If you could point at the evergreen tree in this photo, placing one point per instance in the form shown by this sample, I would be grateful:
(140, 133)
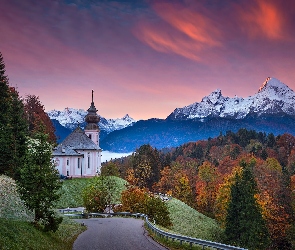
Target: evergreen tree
(5, 125)
(244, 224)
(13, 127)
(39, 182)
(19, 132)
(285, 203)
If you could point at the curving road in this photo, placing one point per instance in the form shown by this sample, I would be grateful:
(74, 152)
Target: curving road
(115, 234)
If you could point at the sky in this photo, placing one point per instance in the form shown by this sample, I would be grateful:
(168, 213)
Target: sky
(144, 57)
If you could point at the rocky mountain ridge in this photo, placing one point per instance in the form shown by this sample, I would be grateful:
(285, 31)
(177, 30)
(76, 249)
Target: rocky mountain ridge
(68, 119)
(273, 97)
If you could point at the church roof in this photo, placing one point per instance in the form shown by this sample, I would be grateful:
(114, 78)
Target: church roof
(77, 140)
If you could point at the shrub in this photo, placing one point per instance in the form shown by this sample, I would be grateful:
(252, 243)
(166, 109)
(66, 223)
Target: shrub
(11, 205)
(137, 200)
(134, 200)
(102, 191)
(157, 210)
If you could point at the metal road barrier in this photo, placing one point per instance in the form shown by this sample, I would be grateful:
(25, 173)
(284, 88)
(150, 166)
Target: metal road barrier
(161, 233)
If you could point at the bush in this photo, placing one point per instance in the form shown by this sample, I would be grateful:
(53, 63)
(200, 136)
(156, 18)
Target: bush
(11, 205)
(134, 200)
(102, 191)
(94, 199)
(157, 210)
(137, 200)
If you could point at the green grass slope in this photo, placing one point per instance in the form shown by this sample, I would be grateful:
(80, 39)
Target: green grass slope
(17, 231)
(187, 221)
(71, 191)
(18, 235)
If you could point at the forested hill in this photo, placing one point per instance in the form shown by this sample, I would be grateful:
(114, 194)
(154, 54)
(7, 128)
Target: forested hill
(172, 133)
(203, 173)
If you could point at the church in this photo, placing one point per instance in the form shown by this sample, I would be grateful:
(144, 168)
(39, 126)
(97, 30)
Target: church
(79, 155)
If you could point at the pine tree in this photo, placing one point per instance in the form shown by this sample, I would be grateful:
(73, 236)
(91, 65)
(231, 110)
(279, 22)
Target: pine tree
(13, 127)
(5, 125)
(19, 132)
(39, 182)
(244, 224)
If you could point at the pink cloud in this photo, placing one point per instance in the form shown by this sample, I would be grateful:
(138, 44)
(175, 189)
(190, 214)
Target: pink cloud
(181, 31)
(144, 61)
(264, 19)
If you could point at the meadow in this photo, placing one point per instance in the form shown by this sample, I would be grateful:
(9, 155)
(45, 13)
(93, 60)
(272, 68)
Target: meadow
(17, 232)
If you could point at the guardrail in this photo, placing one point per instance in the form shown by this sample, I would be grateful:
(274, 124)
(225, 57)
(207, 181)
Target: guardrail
(161, 233)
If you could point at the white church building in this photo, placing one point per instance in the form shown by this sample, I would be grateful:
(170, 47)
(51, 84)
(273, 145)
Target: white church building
(79, 155)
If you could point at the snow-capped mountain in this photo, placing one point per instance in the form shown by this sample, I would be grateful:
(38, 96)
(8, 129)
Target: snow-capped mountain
(110, 125)
(273, 97)
(71, 117)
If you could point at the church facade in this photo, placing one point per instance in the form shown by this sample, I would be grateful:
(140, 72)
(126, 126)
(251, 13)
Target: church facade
(79, 155)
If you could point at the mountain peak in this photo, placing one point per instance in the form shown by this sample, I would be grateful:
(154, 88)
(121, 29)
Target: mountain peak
(214, 97)
(126, 117)
(272, 83)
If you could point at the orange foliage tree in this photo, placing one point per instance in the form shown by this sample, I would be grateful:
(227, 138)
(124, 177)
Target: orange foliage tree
(269, 178)
(223, 196)
(37, 118)
(206, 188)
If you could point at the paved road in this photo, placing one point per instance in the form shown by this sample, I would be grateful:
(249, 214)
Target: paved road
(114, 234)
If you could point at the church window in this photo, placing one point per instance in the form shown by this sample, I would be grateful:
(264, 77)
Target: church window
(78, 162)
(89, 136)
(68, 173)
(68, 162)
(88, 161)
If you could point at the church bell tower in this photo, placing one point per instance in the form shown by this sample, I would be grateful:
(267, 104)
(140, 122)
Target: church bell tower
(92, 129)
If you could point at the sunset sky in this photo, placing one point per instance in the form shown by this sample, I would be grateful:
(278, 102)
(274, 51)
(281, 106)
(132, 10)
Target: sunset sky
(144, 58)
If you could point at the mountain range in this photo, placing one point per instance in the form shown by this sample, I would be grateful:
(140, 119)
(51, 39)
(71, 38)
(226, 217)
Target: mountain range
(270, 110)
(67, 120)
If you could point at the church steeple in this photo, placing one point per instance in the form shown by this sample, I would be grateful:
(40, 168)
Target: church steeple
(92, 118)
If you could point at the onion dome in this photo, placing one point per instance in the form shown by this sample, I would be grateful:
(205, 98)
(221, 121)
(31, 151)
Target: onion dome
(92, 118)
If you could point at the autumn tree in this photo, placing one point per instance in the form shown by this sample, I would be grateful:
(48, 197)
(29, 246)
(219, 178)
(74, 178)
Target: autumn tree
(147, 165)
(37, 118)
(244, 224)
(166, 182)
(102, 191)
(206, 188)
(223, 196)
(275, 199)
(182, 189)
(110, 169)
(143, 173)
(138, 200)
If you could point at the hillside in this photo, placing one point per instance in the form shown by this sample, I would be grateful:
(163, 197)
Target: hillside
(172, 133)
(187, 221)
